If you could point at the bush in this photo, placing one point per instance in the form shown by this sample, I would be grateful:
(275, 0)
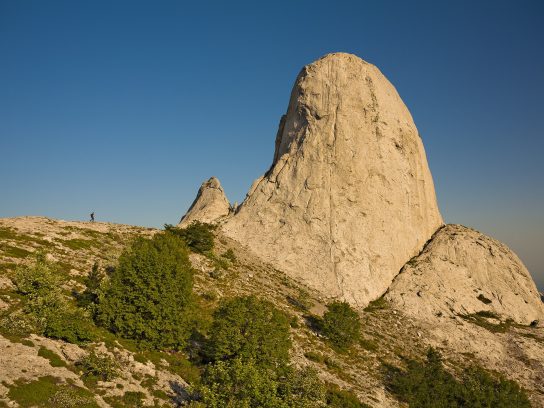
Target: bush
(427, 385)
(98, 367)
(37, 280)
(243, 383)
(91, 293)
(198, 236)
(149, 295)
(52, 313)
(338, 398)
(341, 325)
(238, 383)
(249, 328)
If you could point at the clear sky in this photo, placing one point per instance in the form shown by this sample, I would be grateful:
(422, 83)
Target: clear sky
(125, 107)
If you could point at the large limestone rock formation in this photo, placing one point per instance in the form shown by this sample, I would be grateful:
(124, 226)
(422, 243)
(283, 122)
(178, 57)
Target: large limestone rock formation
(210, 204)
(349, 198)
(461, 272)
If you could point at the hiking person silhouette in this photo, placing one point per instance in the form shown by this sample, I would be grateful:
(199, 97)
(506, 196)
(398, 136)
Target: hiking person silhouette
(92, 217)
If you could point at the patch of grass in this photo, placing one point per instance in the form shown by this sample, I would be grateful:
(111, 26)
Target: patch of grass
(338, 398)
(369, 344)
(54, 359)
(14, 252)
(176, 363)
(481, 319)
(314, 356)
(378, 304)
(77, 243)
(7, 233)
(26, 342)
(131, 399)
(35, 393)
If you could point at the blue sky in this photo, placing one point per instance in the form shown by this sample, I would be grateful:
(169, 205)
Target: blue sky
(125, 107)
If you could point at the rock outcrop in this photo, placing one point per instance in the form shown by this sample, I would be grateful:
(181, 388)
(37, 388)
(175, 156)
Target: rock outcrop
(462, 272)
(210, 205)
(349, 198)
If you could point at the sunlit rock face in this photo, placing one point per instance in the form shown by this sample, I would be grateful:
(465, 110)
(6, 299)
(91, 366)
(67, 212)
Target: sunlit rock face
(349, 198)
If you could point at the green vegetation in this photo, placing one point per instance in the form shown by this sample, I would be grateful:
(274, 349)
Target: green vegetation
(378, 304)
(489, 321)
(35, 393)
(249, 328)
(428, 385)
(341, 325)
(50, 392)
(198, 236)
(149, 294)
(243, 383)
(47, 310)
(54, 358)
(77, 244)
(91, 295)
(98, 367)
(176, 363)
(338, 398)
(229, 254)
(130, 399)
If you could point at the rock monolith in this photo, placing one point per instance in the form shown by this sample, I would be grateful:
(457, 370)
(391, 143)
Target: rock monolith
(209, 206)
(349, 198)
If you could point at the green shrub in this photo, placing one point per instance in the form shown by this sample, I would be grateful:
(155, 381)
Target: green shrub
(98, 367)
(70, 396)
(378, 304)
(149, 295)
(301, 388)
(314, 356)
(243, 383)
(238, 383)
(229, 254)
(37, 280)
(249, 328)
(51, 313)
(338, 398)
(91, 294)
(428, 385)
(341, 325)
(198, 236)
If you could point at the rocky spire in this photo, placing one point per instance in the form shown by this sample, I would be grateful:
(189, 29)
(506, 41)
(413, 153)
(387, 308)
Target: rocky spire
(210, 204)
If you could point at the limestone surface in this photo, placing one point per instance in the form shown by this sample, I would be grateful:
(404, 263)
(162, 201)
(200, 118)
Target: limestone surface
(462, 272)
(349, 198)
(210, 204)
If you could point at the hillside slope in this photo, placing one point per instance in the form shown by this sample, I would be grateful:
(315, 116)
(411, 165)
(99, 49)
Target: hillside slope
(162, 379)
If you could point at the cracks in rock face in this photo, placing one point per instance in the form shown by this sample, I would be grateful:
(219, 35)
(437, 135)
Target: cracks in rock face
(331, 209)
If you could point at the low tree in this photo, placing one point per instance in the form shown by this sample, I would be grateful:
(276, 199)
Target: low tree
(249, 328)
(198, 235)
(149, 295)
(341, 325)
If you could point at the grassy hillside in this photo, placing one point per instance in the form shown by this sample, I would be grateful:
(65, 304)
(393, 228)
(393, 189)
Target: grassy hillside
(108, 370)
